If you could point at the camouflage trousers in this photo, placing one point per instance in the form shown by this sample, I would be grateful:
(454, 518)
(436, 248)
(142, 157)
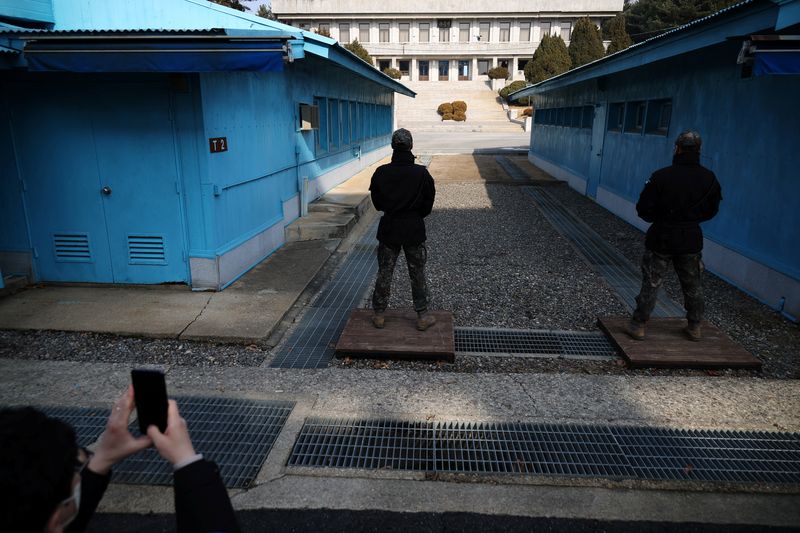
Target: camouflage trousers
(689, 268)
(416, 257)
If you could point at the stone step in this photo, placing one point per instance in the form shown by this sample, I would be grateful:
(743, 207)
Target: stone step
(325, 205)
(320, 225)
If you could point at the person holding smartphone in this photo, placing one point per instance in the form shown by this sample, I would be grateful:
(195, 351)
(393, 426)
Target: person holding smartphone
(48, 483)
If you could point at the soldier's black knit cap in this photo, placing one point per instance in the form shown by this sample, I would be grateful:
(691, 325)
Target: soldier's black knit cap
(402, 140)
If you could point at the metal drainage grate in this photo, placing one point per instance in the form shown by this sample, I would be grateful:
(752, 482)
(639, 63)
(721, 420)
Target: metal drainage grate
(533, 343)
(311, 344)
(549, 449)
(236, 434)
(618, 272)
(88, 422)
(511, 168)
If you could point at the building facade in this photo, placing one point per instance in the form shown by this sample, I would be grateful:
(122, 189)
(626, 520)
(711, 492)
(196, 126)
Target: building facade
(445, 40)
(180, 158)
(606, 126)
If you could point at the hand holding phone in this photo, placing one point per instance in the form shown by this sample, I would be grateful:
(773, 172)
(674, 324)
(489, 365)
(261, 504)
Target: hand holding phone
(150, 392)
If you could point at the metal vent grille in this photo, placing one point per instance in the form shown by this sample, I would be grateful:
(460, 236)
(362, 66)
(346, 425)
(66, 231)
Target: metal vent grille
(72, 247)
(236, 434)
(617, 271)
(549, 449)
(146, 249)
(534, 343)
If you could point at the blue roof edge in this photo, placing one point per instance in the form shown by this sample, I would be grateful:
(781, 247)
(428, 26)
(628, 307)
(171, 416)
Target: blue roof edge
(760, 10)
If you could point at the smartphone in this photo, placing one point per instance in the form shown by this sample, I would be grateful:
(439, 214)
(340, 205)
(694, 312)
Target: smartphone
(150, 394)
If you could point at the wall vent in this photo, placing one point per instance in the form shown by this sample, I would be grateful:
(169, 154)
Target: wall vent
(72, 247)
(146, 250)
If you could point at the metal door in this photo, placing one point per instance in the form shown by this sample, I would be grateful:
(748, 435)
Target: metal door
(54, 145)
(596, 150)
(139, 175)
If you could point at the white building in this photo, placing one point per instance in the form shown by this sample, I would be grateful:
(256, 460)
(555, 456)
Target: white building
(445, 40)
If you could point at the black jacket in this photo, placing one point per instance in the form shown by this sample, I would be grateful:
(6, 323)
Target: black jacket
(405, 193)
(676, 199)
(201, 501)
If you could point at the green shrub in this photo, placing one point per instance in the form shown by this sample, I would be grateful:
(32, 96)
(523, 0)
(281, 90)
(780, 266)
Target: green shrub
(512, 87)
(445, 108)
(447, 116)
(459, 116)
(498, 73)
(460, 105)
(392, 73)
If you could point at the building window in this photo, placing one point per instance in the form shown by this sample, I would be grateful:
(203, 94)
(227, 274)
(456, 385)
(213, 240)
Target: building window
(324, 28)
(404, 66)
(383, 64)
(444, 69)
(322, 132)
(634, 117)
(424, 32)
(658, 115)
(444, 35)
(304, 26)
(545, 27)
(616, 117)
(424, 70)
(383, 32)
(403, 27)
(463, 69)
(505, 63)
(463, 32)
(566, 30)
(344, 33)
(344, 112)
(333, 123)
(484, 29)
(505, 32)
(588, 116)
(363, 32)
(521, 63)
(483, 67)
(524, 32)
(577, 117)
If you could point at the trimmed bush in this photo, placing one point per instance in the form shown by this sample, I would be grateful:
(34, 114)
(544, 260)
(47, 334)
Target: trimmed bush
(392, 73)
(512, 87)
(459, 116)
(444, 108)
(498, 73)
(447, 116)
(460, 105)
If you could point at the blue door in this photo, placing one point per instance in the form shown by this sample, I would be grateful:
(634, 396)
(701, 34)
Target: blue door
(102, 188)
(596, 155)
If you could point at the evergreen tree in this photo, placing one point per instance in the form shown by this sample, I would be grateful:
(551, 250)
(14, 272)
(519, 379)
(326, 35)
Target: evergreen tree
(648, 18)
(359, 50)
(549, 59)
(615, 31)
(266, 12)
(233, 4)
(585, 44)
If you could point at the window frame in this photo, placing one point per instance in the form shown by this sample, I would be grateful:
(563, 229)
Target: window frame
(347, 26)
(488, 35)
(407, 31)
(462, 29)
(504, 33)
(426, 30)
(616, 117)
(568, 25)
(383, 31)
(528, 30)
(635, 116)
(361, 28)
(545, 24)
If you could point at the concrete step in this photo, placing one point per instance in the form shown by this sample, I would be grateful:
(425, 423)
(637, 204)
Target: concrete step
(326, 205)
(12, 284)
(321, 225)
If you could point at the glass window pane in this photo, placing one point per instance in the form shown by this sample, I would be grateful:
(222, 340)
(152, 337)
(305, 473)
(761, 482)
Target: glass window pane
(403, 31)
(463, 32)
(324, 28)
(344, 33)
(444, 35)
(483, 67)
(545, 27)
(505, 31)
(484, 29)
(566, 30)
(383, 32)
(363, 32)
(404, 67)
(424, 32)
(524, 32)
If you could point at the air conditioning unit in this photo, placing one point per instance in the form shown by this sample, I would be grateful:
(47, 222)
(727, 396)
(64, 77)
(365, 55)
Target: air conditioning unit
(309, 117)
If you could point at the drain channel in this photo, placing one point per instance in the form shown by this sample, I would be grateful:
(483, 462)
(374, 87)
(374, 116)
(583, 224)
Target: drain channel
(533, 343)
(616, 452)
(618, 272)
(311, 343)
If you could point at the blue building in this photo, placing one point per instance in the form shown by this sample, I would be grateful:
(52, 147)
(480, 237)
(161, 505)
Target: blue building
(153, 141)
(733, 76)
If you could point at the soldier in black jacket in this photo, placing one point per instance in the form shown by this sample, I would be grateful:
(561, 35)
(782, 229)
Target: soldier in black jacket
(404, 192)
(676, 199)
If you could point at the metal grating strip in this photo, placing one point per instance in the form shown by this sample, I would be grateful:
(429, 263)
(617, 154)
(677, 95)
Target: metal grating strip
(88, 422)
(236, 434)
(311, 344)
(538, 343)
(511, 168)
(618, 272)
(549, 449)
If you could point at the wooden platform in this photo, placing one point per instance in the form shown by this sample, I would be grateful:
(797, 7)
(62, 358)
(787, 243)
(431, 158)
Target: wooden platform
(399, 339)
(665, 345)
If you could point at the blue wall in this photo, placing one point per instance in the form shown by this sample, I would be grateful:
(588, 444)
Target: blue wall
(750, 135)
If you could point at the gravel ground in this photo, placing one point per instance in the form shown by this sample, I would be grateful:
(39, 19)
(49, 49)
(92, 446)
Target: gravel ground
(103, 348)
(496, 262)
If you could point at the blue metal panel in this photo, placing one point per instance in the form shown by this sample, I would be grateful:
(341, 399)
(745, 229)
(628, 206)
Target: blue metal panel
(596, 149)
(33, 10)
(13, 225)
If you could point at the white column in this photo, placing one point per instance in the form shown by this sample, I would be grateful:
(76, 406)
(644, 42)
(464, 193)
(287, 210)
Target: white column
(473, 73)
(412, 72)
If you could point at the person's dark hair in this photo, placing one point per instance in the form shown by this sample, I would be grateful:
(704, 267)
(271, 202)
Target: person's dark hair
(689, 141)
(37, 461)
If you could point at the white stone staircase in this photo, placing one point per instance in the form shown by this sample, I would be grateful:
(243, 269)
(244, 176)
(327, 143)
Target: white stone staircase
(485, 112)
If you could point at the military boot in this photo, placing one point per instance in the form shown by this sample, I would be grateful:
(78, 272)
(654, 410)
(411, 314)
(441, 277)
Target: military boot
(425, 320)
(636, 330)
(693, 331)
(378, 320)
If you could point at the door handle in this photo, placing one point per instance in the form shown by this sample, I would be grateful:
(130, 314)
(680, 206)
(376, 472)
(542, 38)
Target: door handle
(106, 190)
